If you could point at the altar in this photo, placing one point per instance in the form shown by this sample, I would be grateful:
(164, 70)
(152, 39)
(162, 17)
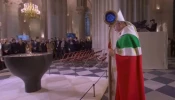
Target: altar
(155, 50)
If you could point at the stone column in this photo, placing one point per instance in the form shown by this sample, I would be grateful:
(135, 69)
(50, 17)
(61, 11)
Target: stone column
(141, 9)
(12, 11)
(134, 10)
(81, 9)
(61, 15)
(123, 6)
(145, 13)
(44, 19)
(49, 19)
(69, 21)
(93, 24)
(4, 21)
(58, 18)
(129, 10)
(64, 16)
(1, 10)
(1, 18)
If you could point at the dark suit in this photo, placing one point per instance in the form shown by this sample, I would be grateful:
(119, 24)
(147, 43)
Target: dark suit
(153, 28)
(6, 47)
(22, 47)
(72, 46)
(43, 47)
(36, 47)
(14, 48)
(58, 48)
(82, 45)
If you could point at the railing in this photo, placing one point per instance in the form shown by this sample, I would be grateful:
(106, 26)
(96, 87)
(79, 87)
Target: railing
(93, 85)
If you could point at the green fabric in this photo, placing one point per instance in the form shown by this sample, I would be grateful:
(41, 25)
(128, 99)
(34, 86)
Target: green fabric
(128, 41)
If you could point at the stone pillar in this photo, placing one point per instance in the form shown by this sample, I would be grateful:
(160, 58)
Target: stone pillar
(64, 20)
(56, 18)
(69, 21)
(141, 10)
(1, 18)
(129, 10)
(81, 9)
(93, 24)
(61, 15)
(123, 6)
(12, 18)
(49, 20)
(134, 10)
(4, 21)
(44, 19)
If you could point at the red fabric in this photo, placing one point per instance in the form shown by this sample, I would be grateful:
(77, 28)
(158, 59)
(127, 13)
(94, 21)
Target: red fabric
(109, 45)
(130, 82)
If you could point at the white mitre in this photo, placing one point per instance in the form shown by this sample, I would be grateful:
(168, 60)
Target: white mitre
(121, 18)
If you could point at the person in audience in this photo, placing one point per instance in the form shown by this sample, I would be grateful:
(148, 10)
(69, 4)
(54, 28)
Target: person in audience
(6, 48)
(172, 46)
(36, 45)
(88, 44)
(1, 60)
(21, 46)
(14, 47)
(153, 27)
(67, 45)
(63, 44)
(43, 46)
(58, 48)
(52, 46)
(29, 47)
(82, 45)
(71, 45)
(49, 46)
(77, 44)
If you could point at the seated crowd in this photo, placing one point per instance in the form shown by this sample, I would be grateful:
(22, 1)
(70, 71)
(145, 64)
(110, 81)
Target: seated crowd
(57, 46)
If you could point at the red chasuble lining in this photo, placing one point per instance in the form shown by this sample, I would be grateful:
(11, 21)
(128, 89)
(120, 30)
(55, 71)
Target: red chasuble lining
(130, 82)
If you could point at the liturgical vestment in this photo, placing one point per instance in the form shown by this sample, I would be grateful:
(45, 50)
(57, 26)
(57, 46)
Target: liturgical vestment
(130, 82)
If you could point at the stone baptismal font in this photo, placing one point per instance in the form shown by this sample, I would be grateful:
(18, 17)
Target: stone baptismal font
(30, 68)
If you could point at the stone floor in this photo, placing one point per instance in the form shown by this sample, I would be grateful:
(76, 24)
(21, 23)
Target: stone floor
(159, 84)
(55, 87)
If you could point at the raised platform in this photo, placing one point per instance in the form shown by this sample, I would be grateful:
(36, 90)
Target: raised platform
(155, 50)
(55, 87)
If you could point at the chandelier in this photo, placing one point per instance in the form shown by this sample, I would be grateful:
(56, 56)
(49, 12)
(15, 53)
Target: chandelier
(31, 10)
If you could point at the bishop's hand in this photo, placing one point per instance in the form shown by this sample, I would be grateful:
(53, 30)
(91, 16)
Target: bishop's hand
(111, 52)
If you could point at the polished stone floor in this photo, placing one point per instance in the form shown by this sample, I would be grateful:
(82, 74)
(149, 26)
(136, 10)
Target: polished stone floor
(159, 84)
(55, 87)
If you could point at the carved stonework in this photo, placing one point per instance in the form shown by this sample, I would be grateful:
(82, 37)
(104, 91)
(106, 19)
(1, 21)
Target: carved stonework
(12, 2)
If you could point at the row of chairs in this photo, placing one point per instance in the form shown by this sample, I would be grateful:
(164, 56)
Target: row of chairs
(84, 58)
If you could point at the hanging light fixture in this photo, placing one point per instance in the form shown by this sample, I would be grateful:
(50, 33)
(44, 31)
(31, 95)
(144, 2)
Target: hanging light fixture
(158, 4)
(30, 10)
